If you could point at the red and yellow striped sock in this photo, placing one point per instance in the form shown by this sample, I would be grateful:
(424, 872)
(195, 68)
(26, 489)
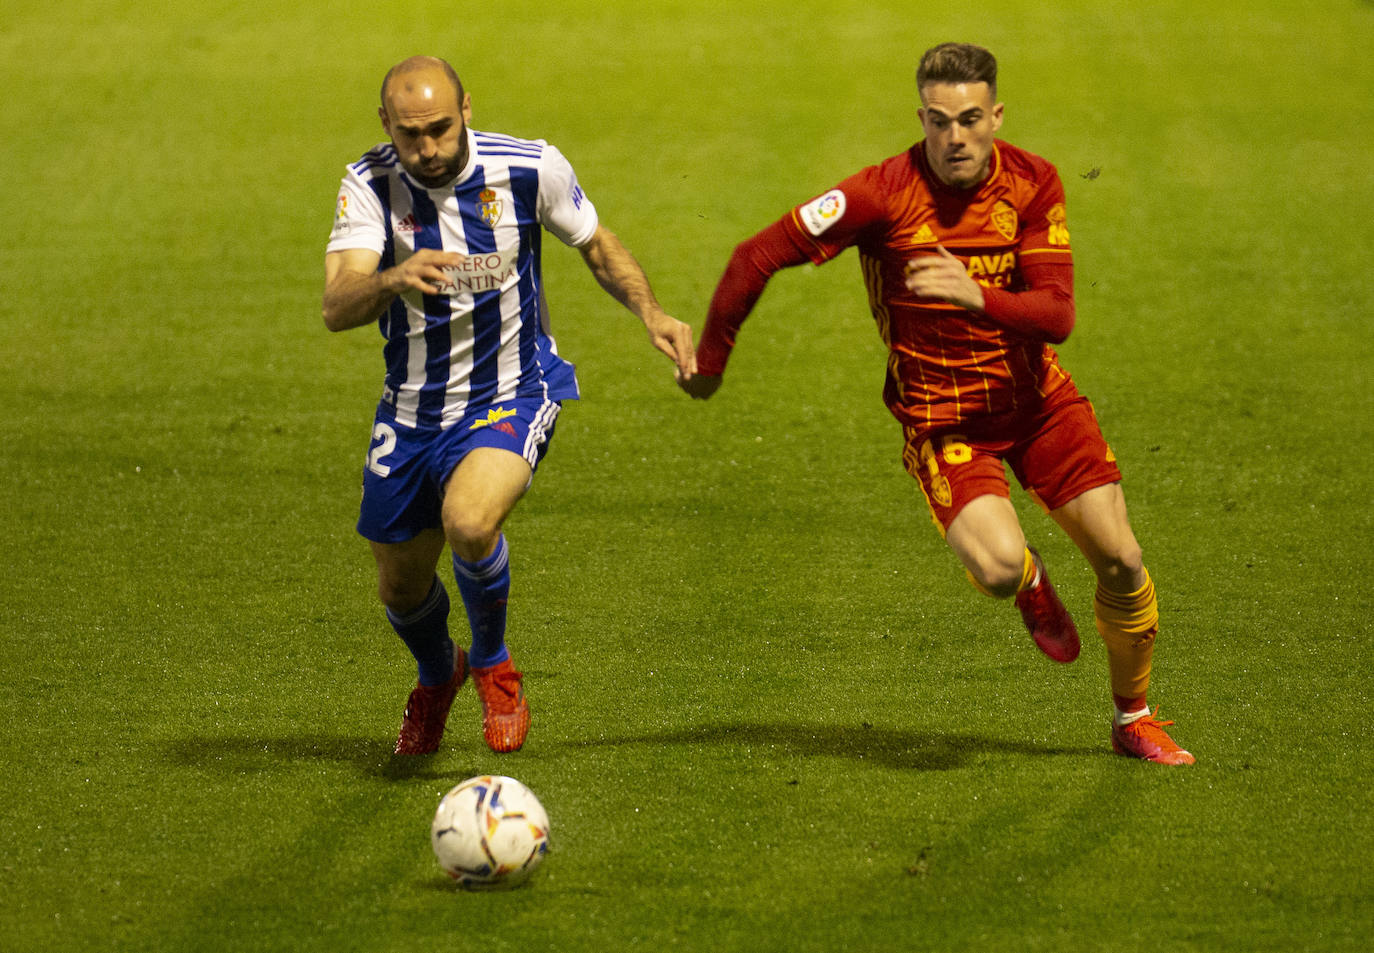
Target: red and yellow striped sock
(1030, 575)
(1128, 623)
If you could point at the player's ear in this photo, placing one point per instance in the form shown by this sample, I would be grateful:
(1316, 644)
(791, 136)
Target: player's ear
(386, 120)
(467, 106)
(996, 117)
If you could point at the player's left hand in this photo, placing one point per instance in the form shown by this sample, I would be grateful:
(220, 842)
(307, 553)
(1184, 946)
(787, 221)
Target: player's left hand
(674, 338)
(944, 278)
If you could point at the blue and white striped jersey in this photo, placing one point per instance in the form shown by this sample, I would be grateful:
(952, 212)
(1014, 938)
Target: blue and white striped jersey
(486, 338)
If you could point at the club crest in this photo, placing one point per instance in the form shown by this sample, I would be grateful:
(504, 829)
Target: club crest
(489, 207)
(1004, 219)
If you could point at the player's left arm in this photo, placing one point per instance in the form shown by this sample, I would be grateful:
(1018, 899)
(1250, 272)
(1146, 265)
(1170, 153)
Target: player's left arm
(568, 213)
(617, 271)
(1042, 307)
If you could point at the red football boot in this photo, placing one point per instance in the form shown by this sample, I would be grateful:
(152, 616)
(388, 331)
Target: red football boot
(1049, 622)
(426, 712)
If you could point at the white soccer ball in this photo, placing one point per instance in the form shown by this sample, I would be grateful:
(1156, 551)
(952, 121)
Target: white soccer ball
(490, 832)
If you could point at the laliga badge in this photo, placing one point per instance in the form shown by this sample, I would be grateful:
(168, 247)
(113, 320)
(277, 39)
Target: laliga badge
(342, 226)
(819, 214)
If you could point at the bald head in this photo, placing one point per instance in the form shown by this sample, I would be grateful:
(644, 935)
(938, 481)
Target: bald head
(425, 77)
(425, 112)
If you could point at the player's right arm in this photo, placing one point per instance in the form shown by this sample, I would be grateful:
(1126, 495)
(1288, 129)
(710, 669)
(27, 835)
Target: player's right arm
(815, 232)
(752, 263)
(356, 293)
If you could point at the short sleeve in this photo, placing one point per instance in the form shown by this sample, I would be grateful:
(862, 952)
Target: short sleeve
(358, 218)
(564, 208)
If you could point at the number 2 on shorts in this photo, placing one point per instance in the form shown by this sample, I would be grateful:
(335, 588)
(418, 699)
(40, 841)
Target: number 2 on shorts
(385, 439)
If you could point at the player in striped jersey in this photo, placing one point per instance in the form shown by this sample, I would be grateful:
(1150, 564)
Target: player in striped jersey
(437, 239)
(964, 248)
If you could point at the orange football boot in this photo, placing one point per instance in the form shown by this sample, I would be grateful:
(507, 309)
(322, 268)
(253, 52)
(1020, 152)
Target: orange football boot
(1145, 738)
(505, 716)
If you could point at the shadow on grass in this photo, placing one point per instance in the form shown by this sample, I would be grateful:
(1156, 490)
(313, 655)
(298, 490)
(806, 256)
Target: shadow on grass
(907, 750)
(370, 756)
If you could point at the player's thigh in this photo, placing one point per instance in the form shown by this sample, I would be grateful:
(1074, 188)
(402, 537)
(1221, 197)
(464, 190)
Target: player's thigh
(405, 570)
(478, 496)
(1097, 522)
(953, 470)
(400, 493)
(987, 538)
(1062, 453)
(487, 460)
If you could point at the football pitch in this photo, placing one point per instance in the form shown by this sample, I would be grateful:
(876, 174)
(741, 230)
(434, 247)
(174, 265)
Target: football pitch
(770, 714)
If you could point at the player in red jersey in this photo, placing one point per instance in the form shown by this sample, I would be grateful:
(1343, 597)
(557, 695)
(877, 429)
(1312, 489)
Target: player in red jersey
(964, 246)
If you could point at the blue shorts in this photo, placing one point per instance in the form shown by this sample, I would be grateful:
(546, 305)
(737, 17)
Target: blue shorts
(407, 468)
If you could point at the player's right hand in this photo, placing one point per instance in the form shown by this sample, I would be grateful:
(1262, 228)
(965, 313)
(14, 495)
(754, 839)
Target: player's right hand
(700, 386)
(423, 271)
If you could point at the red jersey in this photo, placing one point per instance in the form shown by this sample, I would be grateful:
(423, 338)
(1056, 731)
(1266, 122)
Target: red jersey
(945, 364)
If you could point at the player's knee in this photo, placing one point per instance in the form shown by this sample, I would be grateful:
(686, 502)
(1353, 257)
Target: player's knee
(1122, 570)
(998, 574)
(401, 594)
(472, 536)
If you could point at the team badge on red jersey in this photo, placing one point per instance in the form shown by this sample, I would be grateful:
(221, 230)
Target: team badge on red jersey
(819, 214)
(489, 207)
(1004, 220)
(940, 490)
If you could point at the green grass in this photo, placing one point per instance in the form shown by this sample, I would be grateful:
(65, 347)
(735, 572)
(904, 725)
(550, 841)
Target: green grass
(770, 714)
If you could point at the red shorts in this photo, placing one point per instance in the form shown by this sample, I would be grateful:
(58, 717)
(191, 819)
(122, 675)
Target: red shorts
(1056, 451)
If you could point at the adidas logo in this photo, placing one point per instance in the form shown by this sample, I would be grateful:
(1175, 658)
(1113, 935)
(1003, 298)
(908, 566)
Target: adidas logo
(923, 235)
(408, 224)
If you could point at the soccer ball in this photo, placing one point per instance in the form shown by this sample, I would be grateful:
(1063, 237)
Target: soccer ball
(490, 832)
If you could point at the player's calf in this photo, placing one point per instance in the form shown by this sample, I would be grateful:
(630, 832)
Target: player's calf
(1049, 623)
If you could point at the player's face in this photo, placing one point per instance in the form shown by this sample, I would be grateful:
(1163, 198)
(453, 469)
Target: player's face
(960, 121)
(428, 126)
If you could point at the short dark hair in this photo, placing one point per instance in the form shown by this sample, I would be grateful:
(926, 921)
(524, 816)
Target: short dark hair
(957, 63)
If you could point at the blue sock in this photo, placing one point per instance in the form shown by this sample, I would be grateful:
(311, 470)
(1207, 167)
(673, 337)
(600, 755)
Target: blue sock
(485, 587)
(424, 630)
